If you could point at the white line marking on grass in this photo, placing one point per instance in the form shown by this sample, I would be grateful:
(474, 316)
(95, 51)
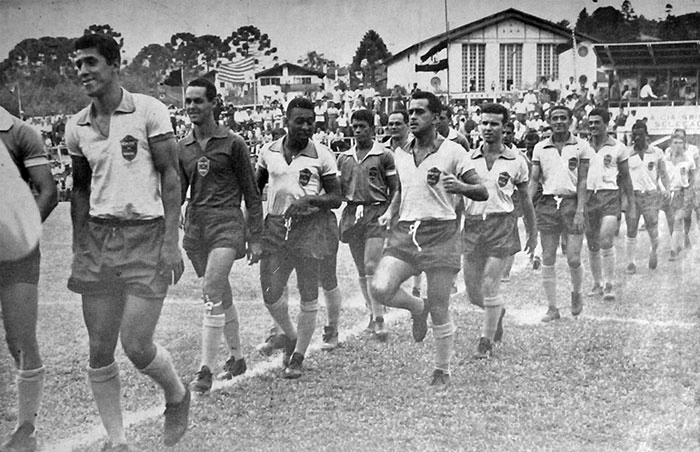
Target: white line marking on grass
(96, 432)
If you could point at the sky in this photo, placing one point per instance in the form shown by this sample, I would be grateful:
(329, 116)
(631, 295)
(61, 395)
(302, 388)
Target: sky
(333, 28)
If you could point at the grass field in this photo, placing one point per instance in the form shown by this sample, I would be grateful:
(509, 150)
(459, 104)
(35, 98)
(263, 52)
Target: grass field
(625, 376)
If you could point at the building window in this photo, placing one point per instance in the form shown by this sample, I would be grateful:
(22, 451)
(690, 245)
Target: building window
(305, 80)
(266, 81)
(473, 62)
(222, 84)
(511, 66)
(547, 62)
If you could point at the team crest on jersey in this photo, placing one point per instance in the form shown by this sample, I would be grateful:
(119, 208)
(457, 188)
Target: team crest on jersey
(203, 166)
(433, 176)
(130, 147)
(503, 179)
(650, 166)
(373, 173)
(573, 164)
(607, 160)
(304, 177)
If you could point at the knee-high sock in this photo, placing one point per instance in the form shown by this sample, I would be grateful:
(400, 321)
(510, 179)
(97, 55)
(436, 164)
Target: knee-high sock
(306, 323)
(608, 258)
(596, 266)
(654, 241)
(631, 249)
(232, 333)
(162, 371)
(549, 284)
(364, 288)
(212, 328)
(492, 312)
(377, 308)
(30, 388)
(279, 311)
(334, 301)
(444, 344)
(576, 278)
(106, 390)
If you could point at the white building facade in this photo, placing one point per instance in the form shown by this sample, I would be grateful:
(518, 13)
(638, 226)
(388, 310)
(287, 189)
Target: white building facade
(508, 51)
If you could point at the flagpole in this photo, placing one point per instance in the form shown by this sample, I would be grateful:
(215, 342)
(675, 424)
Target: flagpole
(447, 32)
(182, 84)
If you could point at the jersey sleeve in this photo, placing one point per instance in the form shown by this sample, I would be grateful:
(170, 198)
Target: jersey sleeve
(623, 154)
(158, 121)
(389, 164)
(464, 163)
(32, 148)
(328, 165)
(536, 154)
(523, 171)
(585, 150)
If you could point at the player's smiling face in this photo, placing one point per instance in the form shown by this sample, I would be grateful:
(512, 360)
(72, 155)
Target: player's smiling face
(199, 108)
(597, 126)
(96, 75)
(560, 121)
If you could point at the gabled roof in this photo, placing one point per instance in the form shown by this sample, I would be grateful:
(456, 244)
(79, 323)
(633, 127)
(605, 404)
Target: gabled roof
(298, 70)
(507, 14)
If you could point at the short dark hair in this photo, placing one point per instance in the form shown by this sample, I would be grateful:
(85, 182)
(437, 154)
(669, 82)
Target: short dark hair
(509, 125)
(403, 113)
(208, 85)
(569, 112)
(496, 109)
(639, 124)
(602, 112)
(105, 45)
(434, 104)
(299, 102)
(363, 115)
(447, 109)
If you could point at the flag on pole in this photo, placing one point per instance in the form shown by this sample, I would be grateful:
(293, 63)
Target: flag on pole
(174, 78)
(238, 71)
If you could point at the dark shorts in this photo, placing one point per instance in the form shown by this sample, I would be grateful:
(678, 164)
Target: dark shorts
(366, 227)
(553, 219)
(438, 242)
(648, 204)
(601, 203)
(680, 200)
(25, 270)
(206, 229)
(495, 236)
(314, 235)
(119, 257)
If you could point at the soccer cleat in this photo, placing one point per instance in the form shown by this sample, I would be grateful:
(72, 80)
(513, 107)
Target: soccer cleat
(380, 330)
(484, 349)
(272, 343)
(576, 303)
(673, 256)
(109, 447)
(420, 322)
(202, 381)
(288, 350)
(454, 289)
(22, 440)
(416, 292)
(498, 337)
(293, 370)
(330, 338)
(653, 261)
(596, 291)
(687, 243)
(233, 368)
(440, 378)
(608, 294)
(505, 278)
(536, 262)
(176, 420)
(552, 314)
(631, 269)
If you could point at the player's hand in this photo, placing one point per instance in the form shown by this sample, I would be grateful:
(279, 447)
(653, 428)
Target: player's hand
(171, 263)
(298, 207)
(384, 220)
(578, 223)
(254, 252)
(451, 183)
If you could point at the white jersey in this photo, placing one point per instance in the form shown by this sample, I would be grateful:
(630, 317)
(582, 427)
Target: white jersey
(644, 169)
(559, 171)
(604, 169)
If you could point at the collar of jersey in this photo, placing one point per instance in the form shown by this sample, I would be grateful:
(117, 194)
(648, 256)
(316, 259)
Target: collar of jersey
(125, 106)
(377, 149)
(507, 153)
(308, 151)
(550, 143)
(610, 141)
(219, 132)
